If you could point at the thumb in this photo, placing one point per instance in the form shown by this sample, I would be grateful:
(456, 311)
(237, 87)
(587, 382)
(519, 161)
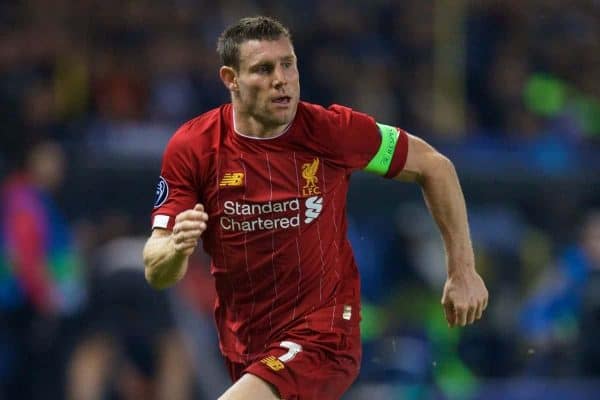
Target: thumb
(198, 207)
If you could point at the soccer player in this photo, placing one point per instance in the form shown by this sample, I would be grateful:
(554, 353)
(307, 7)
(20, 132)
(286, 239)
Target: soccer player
(263, 180)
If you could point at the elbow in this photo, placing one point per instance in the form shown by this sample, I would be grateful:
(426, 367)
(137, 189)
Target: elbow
(156, 281)
(152, 279)
(162, 268)
(153, 275)
(151, 272)
(445, 164)
(438, 167)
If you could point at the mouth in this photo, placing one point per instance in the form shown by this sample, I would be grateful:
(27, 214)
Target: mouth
(282, 100)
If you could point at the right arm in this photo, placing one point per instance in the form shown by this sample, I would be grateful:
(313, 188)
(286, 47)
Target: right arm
(166, 253)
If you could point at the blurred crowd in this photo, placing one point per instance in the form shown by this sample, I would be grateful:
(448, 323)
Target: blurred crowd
(126, 70)
(90, 91)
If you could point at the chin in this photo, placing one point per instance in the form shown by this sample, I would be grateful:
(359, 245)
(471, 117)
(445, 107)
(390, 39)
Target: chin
(282, 117)
(287, 119)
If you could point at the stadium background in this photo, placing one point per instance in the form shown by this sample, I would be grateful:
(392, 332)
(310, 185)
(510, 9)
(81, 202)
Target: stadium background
(509, 90)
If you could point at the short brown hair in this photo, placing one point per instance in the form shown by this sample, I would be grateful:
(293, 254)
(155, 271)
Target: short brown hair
(249, 28)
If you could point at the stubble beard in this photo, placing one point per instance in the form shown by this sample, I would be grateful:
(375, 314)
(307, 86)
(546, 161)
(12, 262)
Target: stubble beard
(267, 115)
(275, 118)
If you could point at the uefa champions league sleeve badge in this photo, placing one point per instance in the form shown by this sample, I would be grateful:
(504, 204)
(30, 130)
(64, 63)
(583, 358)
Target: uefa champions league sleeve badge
(162, 192)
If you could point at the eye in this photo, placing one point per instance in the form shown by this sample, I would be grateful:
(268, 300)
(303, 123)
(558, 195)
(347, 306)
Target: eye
(263, 69)
(287, 64)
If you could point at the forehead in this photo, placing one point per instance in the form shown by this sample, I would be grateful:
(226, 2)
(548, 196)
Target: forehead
(256, 51)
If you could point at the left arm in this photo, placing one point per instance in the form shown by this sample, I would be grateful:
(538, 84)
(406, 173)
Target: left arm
(465, 296)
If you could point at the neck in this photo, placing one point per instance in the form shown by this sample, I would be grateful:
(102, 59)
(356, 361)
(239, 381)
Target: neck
(247, 125)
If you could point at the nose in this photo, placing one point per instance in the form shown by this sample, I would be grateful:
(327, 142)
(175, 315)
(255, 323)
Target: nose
(279, 77)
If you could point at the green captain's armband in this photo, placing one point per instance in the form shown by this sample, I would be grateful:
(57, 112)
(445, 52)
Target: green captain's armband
(380, 163)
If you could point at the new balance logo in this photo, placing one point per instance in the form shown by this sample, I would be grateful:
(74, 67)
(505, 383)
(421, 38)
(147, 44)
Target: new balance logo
(276, 364)
(273, 363)
(232, 179)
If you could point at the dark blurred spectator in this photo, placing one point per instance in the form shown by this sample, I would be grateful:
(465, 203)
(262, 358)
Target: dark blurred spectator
(112, 77)
(40, 278)
(589, 320)
(173, 97)
(194, 300)
(131, 348)
(560, 318)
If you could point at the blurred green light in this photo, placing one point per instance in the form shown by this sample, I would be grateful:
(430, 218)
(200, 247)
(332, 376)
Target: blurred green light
(372, 321)
(545, 94)
(588, 112)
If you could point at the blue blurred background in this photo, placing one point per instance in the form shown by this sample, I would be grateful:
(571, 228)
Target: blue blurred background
(90, 92)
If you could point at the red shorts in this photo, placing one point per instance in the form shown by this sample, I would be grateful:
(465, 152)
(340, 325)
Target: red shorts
(323, 367)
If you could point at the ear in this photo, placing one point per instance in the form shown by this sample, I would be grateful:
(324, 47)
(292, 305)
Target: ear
(229, 78)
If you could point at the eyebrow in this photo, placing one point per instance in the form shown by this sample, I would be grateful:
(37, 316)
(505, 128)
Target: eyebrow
(290, 57)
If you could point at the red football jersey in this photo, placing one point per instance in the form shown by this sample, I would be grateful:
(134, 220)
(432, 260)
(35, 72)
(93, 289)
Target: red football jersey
(277, 218)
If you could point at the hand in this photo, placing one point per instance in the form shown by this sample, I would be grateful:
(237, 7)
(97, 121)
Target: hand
(465, 298)
(189, 225)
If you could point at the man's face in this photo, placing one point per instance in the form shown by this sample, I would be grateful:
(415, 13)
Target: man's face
(47, 165)
(591, 239)
(268, 81)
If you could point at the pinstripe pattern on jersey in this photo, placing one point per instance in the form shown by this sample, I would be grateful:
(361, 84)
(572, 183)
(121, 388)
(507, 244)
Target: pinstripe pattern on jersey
(274, 300)
(247, 262)
(297, 243)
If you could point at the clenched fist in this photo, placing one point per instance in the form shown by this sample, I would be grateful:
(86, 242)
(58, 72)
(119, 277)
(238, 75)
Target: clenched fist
(465, 298)
(189, 226)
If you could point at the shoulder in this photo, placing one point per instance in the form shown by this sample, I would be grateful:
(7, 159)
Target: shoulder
(317, 111)
(335, 115)
(203, 127)
(200, 134)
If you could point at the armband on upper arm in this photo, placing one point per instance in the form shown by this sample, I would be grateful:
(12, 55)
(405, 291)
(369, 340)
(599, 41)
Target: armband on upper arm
(381, 161)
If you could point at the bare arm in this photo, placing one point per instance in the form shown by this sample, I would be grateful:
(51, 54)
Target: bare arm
(465, 296)
(437, 177)
(166, 253)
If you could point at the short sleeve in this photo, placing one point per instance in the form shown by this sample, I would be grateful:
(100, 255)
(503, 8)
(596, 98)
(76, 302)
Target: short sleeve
(362, 142)
(177, 189)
